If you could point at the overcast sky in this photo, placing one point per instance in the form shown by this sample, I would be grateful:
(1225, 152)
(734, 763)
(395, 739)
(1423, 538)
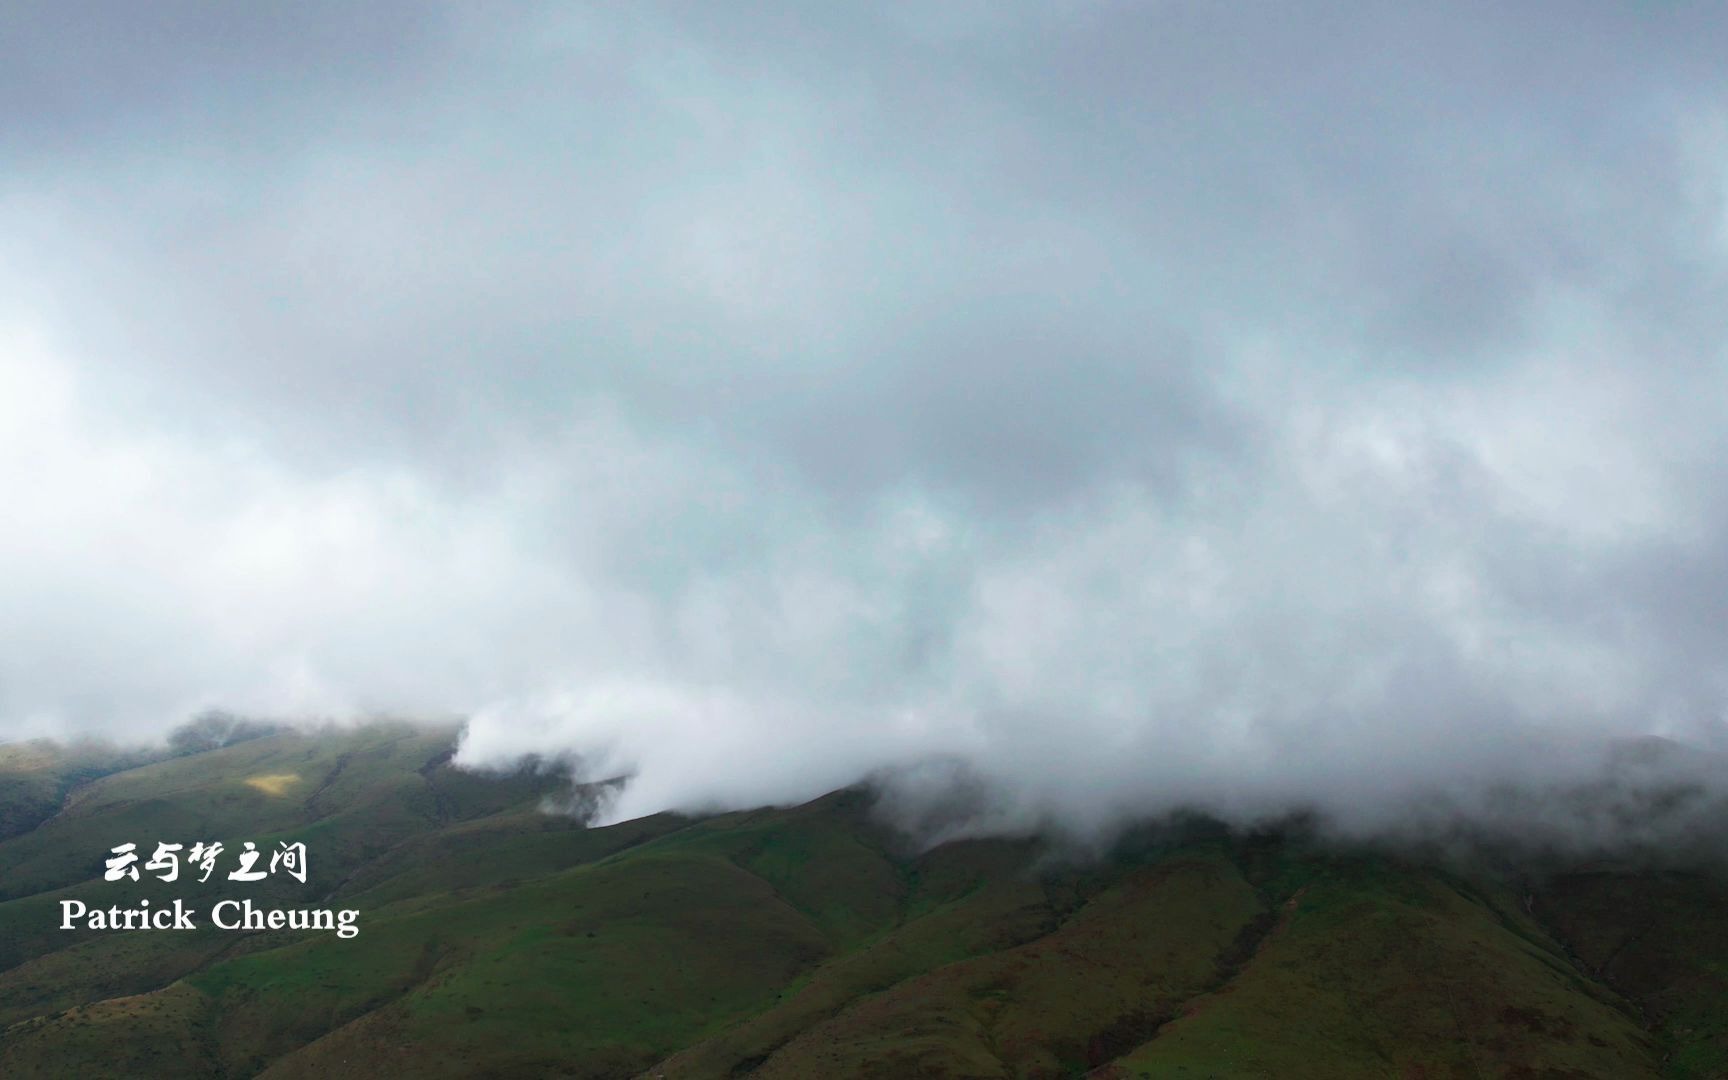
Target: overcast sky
(1133, 401)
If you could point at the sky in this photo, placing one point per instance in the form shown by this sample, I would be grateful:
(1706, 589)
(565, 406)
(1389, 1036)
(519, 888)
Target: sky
(1121, 403)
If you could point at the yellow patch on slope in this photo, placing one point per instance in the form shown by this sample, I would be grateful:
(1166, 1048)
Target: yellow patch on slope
(26, 757)
(274, 783)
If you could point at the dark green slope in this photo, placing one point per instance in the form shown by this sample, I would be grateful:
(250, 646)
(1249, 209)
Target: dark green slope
(497, 940)
(37, 778)
(1661, 938)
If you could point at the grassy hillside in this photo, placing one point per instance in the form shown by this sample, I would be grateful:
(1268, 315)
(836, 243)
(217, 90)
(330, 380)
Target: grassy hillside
(497, 940)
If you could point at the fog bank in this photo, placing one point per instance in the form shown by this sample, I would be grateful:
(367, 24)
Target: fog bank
(1138, 405)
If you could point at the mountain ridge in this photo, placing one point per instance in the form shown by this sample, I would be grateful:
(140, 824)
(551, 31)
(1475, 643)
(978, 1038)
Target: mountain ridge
(500, 940)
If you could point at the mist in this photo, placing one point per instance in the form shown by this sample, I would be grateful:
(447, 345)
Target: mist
(1123, 407)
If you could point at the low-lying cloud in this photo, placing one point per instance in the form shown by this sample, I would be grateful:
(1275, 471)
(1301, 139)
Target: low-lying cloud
(1131, 406)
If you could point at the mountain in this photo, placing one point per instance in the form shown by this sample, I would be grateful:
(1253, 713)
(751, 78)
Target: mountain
(497, 939)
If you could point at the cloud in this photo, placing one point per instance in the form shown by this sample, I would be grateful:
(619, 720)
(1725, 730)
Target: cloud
(1136, 404)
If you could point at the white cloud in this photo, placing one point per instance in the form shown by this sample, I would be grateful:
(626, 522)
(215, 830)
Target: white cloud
(1158, 404)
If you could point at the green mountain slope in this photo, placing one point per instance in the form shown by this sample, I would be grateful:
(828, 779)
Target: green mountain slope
(498, 940)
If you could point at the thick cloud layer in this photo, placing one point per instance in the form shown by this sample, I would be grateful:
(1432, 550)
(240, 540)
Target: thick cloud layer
(1135, 404)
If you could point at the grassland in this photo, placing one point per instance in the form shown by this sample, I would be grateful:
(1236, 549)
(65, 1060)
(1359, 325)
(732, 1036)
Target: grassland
(803, 942)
